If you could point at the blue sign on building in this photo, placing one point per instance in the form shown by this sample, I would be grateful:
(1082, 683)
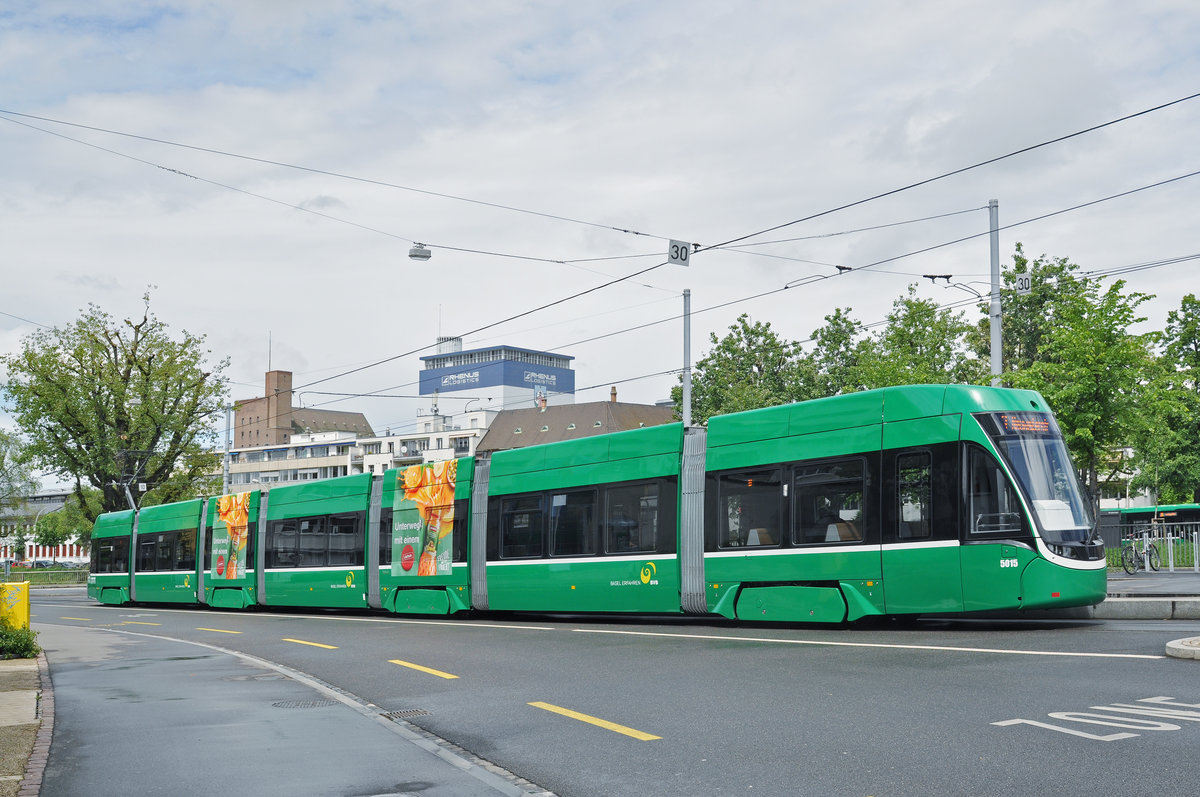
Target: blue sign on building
(519, 368)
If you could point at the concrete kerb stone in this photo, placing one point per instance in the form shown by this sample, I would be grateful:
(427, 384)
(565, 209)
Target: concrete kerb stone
(1188, 648)
(1148, 608)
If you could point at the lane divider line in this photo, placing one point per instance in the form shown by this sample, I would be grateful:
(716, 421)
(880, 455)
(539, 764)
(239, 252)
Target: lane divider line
(217, 630)
(888, 646)
(612, 726)
(429, 670)
(314, 644)
(137, 622)
(81, 619)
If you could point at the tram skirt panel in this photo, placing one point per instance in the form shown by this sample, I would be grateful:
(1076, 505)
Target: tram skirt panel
(792, 604)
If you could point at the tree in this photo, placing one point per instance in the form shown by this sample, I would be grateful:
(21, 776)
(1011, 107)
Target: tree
(921, 344)
(71, 522)
(15, 481)
(750, 367)
(833, 365)
(111, 405)
(1168, 437)
(1027, 319)
(1093, 372)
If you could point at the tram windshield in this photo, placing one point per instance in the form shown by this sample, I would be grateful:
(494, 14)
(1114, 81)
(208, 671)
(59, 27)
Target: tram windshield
(1033, 447)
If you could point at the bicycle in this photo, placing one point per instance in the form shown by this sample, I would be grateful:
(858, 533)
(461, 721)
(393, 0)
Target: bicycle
(1133, 560)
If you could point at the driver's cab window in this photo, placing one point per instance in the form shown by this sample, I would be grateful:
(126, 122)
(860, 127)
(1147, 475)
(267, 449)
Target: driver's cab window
(992, 503)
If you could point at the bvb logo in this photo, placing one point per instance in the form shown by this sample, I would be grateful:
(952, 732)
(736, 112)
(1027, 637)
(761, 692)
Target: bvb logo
(649, 571)
(187, 581)
(349, 580)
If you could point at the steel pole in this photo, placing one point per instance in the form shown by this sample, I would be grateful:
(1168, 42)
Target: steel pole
(997, 338)
(686, 399)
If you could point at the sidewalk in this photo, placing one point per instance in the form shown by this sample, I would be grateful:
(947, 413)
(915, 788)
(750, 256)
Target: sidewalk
(143, 716)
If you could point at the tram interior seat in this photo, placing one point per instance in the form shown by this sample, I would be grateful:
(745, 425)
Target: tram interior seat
(760, 537)
(842, 531)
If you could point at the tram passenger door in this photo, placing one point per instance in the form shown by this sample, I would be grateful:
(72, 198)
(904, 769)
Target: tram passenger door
(920, 532)
(991, 552)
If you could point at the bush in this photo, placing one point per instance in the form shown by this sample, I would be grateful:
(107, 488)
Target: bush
(17, 643)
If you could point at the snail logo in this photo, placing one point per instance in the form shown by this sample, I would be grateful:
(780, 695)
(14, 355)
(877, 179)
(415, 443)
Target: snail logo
(349, 580)
(649, 571)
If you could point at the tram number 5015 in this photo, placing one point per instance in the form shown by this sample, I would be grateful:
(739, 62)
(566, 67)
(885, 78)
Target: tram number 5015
(1009, 563)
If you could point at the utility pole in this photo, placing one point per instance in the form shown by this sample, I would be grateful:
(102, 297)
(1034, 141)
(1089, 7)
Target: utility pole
(686, 398)
(997, 341)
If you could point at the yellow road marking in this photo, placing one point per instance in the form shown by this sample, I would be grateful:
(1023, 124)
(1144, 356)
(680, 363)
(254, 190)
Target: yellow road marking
(314, 644)
(219, 630)
(429, 670)
(137, 622)
(612, 726)
(84, 619)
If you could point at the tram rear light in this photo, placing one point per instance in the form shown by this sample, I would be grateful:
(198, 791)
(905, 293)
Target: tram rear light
(1055, 595)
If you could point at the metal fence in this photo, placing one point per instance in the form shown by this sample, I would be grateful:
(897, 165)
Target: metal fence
(1176, 543)
(38, 577)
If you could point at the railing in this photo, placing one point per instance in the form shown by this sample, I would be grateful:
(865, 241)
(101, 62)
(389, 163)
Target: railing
(38, 577)
(1177, 544)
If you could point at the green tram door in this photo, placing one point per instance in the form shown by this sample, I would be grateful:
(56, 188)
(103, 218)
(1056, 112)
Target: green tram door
(992, 557)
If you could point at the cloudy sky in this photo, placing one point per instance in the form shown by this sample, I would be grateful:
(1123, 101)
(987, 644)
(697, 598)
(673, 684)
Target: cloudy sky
(263, 167)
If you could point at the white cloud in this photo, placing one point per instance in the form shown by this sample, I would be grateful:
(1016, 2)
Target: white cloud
(697, 120)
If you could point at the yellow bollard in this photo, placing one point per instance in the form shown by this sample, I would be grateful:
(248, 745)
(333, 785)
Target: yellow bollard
(14, 603)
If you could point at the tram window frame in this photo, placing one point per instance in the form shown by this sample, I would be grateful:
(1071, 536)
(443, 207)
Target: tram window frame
(344, 539)
(278, 555)
(145, 554)
(815, 515)
(740, 484)
(617, 520)
(462, 525)
(312, 552)
(578, 536)
(181, 560)
(531, 508)
(918, 484)
(384, 543)
(1008, 503)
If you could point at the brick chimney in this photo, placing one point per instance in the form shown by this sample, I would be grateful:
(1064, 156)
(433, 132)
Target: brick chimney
(613, 395)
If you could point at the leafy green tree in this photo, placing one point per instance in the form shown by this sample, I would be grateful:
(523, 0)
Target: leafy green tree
(1093, 372)
(750, 367)
(111, 405)
(1026, 319)
(71, 522)
(1168, 434)
(921, 344)
(15, 480)
(832, 368)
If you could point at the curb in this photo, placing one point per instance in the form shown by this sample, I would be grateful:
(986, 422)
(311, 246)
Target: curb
(35, 768)
(1188, 648)
(1125, 607)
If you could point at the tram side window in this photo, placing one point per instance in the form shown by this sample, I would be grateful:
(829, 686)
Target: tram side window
(282, 542)
(991, 502)
(385, 537)
(314, 541)
(521, 527)
(829, 502)
(914, 492)
(185, 551)
(573, 523)
(631, 518)
(749, 508)
(345, 540)
(462, 522)
(145, 555)
(111, 556)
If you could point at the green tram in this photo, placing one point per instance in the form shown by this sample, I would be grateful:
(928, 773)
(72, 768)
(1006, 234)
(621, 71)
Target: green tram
(900, 501)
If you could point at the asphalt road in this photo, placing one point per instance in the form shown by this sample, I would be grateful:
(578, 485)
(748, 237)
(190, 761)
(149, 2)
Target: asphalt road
(683, 707)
